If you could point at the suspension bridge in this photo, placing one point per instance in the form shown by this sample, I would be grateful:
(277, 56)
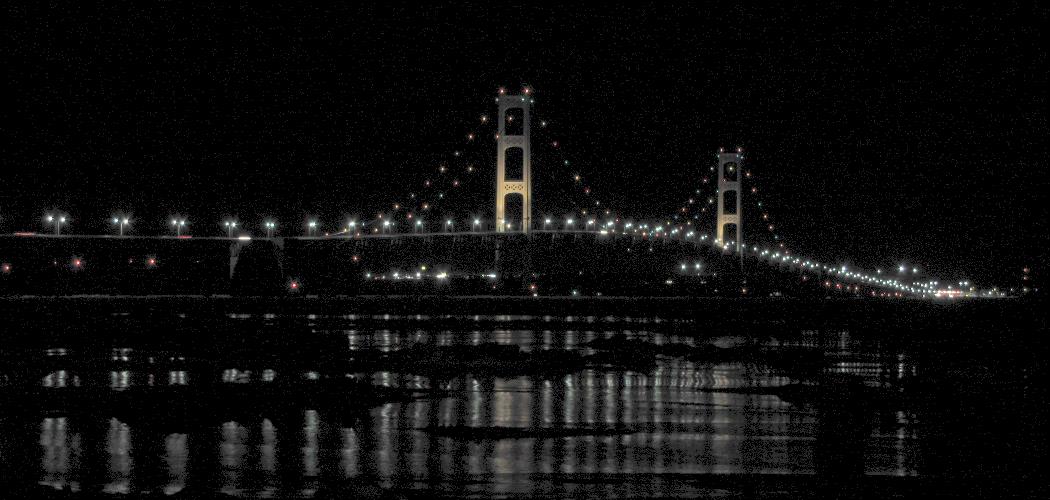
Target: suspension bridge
(592, 250)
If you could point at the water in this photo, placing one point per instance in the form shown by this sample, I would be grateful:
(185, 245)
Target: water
(633, 432)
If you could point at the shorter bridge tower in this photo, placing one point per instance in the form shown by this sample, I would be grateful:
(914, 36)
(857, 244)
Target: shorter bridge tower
(729, 224)
(513, 142)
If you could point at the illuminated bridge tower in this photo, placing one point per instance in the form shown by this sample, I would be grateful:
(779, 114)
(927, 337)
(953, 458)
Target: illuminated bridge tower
(514, 160)
(729, 222)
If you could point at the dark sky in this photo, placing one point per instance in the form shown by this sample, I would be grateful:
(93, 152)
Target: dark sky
(877, 136)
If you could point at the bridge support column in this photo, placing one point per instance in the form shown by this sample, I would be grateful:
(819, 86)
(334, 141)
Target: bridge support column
(235, 255)
(729, 197)
(511, 145)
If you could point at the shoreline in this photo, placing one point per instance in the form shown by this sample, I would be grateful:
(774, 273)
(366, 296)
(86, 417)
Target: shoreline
(801, 312)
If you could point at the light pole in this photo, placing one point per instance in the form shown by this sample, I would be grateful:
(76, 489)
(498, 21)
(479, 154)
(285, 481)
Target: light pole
(474, 228)
(546, 223)
(386, 227)
(351, 226)
(419, 226)
(230, 226)
(568, 224)
(178, 224)
(56, 220)
(270, 226)
(120, 223)
(311, 227)
(448, 226)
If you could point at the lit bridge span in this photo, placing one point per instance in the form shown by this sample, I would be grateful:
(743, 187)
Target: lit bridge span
(514, 253)
(540, 262)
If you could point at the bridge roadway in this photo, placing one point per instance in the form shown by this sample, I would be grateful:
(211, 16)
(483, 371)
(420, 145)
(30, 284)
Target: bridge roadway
(336, 236)
(339, 263)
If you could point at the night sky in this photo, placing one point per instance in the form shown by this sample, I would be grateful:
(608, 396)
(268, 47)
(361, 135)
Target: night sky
(876, 136)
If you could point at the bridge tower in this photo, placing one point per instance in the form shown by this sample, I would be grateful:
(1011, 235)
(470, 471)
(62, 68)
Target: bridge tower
(729, 214)
(513, 143)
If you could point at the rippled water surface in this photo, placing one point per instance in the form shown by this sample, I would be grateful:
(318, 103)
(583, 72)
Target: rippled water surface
(631, 431)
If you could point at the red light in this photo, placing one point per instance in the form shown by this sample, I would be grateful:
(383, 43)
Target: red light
(152, 262)
(294, 285)
(355, 258)
(6, 267)
(77, 263)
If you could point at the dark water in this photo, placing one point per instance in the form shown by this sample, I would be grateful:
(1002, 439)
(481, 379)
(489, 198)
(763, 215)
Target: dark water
(623, 431)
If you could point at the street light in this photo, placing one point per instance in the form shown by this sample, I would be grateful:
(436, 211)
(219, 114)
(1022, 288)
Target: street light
(120, 222)
(448, 226)
(230, 226)
(270, 227)
(474, 228)
(351, 226)
(568, 223)
(57, 219)
(386, 226)
(419, 226)
(546, 223)
(178, 224)
(311, 227)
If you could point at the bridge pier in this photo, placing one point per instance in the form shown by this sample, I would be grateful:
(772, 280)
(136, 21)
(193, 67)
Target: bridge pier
(235, 254)
(511, 143)
(729, 202)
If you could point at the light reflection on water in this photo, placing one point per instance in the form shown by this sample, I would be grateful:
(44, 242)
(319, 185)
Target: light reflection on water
(681, 421)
